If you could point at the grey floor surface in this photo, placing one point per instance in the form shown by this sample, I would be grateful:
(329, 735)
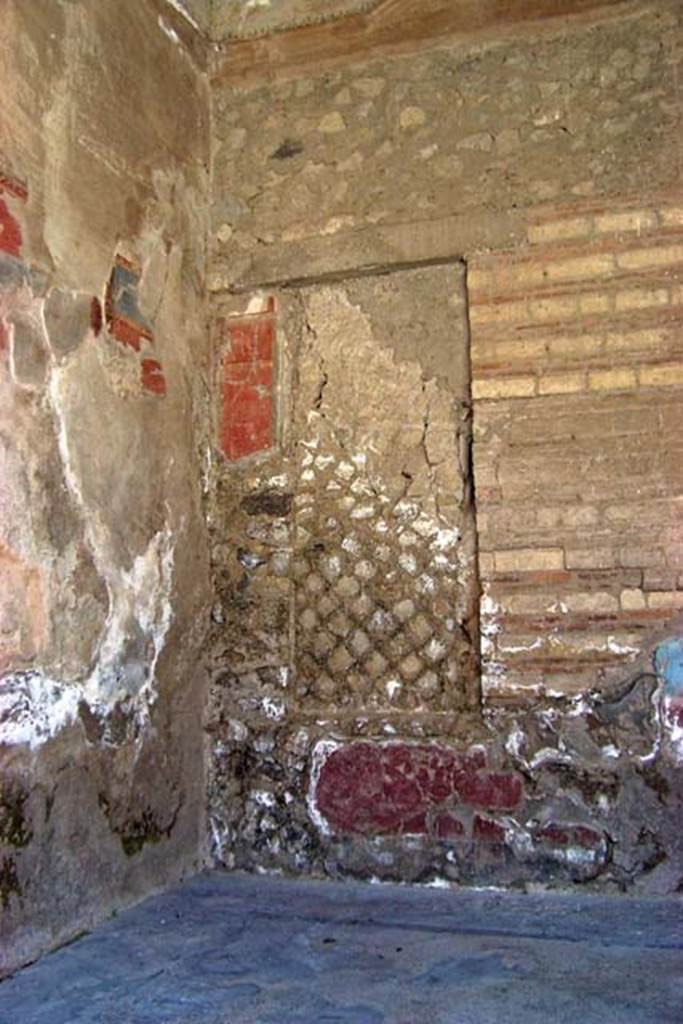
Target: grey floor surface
(232, 949)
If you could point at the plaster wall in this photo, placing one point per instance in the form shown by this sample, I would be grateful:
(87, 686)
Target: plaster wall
(103, 356)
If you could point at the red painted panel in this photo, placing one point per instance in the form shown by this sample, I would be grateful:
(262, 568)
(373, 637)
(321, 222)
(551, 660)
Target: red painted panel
(251, 340)
(242, 439)
(246, 388)
(495, 791)
(376, 788)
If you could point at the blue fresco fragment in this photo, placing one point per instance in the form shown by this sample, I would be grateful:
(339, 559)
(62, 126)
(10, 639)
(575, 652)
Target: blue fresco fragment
(669, 666)
(124, 285)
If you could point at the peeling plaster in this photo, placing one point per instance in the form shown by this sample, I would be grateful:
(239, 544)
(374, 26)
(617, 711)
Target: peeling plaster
(320, 753)
(178, 6)
(168, 31)
(33, 708)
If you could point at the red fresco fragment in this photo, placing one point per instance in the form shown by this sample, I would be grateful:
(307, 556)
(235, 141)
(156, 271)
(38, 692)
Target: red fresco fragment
(448, 827)
(96, 316)
(10, 232)
(13, 187)
(246, 389)
(487, 831)
(153, 379)
(377, 789)
(571, 835)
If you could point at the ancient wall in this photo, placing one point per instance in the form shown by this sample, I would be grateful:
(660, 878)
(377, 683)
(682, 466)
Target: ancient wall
(577, 372)
(445, 520)
(104, 578)
(437, 153)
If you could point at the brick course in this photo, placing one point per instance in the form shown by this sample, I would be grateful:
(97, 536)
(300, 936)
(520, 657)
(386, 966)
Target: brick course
(577, 457)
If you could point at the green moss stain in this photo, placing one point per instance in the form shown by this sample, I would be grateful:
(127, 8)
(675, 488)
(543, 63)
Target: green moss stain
(14, 828)
(9, 881)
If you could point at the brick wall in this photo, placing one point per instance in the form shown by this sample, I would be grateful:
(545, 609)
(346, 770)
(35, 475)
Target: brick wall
(577, 363)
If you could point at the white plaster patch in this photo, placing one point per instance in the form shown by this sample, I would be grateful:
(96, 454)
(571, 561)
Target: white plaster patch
(445, 540)
(273, 709)
(143, 596)
(178, 6)
(319, 755)
(34, 708)
(277, 481)
(168, 31)
(674, 731)
(549, 755)
(237, 730)
(616, 647)
(263, 798)
(363, 512)
(258, 303)
(408, 563)
(220, 838)
(521, 648)
(518, 839)
(515, 742)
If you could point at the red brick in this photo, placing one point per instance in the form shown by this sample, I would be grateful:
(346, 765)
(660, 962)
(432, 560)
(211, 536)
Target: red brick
(10, 232)
(152, 377)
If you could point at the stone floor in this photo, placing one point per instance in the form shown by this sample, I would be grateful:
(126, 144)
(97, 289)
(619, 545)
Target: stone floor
(236, 949)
